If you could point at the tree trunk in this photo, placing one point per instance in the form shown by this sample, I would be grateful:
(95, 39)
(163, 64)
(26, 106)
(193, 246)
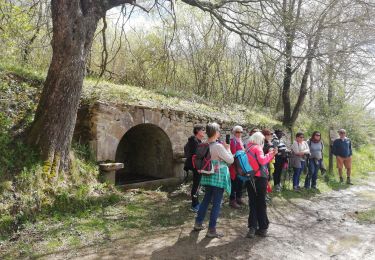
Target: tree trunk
(74, 25)
(302, 91)
(286, 84)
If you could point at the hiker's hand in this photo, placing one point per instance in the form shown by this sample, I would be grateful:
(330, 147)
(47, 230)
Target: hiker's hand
(227, 146)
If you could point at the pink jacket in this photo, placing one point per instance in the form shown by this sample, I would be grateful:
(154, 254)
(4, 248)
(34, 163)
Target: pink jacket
(234, 147)
(261, 158)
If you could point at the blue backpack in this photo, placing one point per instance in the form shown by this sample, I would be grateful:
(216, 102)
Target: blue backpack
(242, 166)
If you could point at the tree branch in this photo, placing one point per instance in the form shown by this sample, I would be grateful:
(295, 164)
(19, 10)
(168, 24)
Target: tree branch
(113, 3)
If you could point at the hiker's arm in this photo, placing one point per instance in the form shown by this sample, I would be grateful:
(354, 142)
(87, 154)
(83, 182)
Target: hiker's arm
(350, 148)
(307, 149)
(225, 155)
(262, 158)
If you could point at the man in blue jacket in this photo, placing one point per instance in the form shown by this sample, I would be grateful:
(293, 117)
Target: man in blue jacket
(342, 149)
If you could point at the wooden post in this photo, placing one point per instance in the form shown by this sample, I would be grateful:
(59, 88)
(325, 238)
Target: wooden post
(332, 137)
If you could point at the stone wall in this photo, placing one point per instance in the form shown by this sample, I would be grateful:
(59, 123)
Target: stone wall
(104, 125)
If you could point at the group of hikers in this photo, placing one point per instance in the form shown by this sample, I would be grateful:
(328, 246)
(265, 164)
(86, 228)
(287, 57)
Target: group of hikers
(266, 152)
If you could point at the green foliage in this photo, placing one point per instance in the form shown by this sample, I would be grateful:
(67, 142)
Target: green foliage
(17, 106)
(6, 225)
(15, 154)
(25, 189)
(24, 34)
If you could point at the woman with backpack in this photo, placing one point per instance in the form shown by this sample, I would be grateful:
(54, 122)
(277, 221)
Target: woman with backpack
(315, 160)
(236, 144)
(257, 187)
(214, 183)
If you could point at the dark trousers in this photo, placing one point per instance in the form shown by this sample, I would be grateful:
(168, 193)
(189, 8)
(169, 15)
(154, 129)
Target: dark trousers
(278, 169)
(236, 191)
(257, 204)
(194, 189)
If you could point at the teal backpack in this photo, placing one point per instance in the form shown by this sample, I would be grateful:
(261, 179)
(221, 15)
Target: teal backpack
(242, 166)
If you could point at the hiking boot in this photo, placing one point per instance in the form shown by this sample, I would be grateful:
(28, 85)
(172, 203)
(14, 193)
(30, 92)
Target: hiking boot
(240, 201)
(198, 227)
(341, 179)
(251, 233)
(233, 204)
(278, 188)
(194, 208)
(348, 181)
(214, 234)
(261, 232)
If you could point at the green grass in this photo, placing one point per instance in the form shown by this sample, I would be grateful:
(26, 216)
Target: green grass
(139, 213)
(367, 217)
(27, 74)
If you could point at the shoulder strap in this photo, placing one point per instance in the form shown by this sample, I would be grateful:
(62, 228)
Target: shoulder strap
(248, 149)
(251, 153)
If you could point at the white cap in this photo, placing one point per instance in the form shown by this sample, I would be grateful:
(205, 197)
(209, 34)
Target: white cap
(237, 128)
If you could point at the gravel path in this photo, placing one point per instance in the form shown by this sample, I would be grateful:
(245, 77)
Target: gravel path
(324, 227)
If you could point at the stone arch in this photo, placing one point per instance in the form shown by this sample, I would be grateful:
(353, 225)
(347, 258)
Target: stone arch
(147, 154)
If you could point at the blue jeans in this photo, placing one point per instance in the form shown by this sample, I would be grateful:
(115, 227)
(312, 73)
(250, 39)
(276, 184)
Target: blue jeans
(297, 174)
(215, 195)
(312, 175)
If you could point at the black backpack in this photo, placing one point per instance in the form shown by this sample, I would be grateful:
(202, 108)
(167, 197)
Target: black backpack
(187, 152)
(202, 159)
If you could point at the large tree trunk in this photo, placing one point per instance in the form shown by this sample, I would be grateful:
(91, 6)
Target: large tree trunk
(286, 85)
(302, 90)
(74, 25)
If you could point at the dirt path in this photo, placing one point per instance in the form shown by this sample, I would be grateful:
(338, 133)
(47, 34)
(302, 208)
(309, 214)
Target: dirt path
(323, 227)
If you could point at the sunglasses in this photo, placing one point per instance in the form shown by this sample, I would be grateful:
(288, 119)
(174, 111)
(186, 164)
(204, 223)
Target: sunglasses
(238, 132)
(317, 135)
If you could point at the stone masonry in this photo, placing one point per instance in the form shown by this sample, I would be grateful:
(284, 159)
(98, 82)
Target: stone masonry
(104, 125)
